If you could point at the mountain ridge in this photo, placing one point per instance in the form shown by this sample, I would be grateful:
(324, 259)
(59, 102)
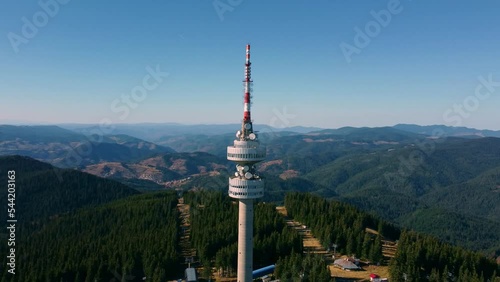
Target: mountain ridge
(385, 170)
(65, 148)
(44, 191)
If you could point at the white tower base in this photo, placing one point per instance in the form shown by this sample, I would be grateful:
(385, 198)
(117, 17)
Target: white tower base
(245, 240)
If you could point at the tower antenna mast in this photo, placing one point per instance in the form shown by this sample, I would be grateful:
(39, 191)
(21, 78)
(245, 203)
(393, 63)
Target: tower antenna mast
(246, 185)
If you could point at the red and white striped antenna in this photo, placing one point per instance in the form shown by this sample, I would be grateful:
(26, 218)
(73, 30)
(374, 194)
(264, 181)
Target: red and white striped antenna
(247, 122)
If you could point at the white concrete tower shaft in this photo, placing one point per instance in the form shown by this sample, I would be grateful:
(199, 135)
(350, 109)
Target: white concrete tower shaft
(245, 240)
(246, 184)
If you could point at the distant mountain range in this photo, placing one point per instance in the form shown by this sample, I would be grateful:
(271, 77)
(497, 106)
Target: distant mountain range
(446, 131)
(154, 132)
(437, 179)
(66, 148)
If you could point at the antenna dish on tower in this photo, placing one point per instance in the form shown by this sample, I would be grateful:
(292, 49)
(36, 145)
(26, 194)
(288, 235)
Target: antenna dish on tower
(248, 175)
(252, 136)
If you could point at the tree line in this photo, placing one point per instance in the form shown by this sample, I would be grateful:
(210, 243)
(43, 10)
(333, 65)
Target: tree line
(214, 232)
(418, 257)
(131, 238)
(340, 225)
(424, 258)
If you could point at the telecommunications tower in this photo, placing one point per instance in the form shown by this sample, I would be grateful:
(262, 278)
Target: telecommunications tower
(246, 184)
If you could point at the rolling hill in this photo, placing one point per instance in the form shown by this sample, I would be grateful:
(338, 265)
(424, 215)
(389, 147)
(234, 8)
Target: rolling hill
(396, 172)
(165, 169)
(459, 178)
(447, 187)
(65, 148)
(392, 173)
(44, 191)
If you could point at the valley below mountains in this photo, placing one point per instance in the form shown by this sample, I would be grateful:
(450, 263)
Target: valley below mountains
(446, 184)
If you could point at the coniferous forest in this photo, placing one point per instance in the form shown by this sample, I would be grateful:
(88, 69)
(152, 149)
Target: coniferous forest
(214, 232)
(423, 258)
(418, 257)
(341, 224)
(109, 231)
(131, 238)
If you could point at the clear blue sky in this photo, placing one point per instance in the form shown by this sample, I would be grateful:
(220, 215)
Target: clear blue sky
(421, 66)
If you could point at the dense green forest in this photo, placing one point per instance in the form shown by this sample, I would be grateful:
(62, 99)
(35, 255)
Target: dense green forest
(304, 268)
(72, 226)
(44, 191)
(417, 257)
(134, 237)
(405, 178)
(451, 178)
(423, 258)
(471, 232)
(85, 228)
(214, 232)
(341, 224)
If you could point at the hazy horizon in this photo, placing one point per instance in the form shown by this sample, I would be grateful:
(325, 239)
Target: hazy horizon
(28, 123)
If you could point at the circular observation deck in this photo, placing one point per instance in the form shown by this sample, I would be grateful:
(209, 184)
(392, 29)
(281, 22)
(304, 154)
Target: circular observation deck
(246, 154)
(240, 188)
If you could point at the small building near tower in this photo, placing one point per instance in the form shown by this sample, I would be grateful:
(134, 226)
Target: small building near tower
(345, 264)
